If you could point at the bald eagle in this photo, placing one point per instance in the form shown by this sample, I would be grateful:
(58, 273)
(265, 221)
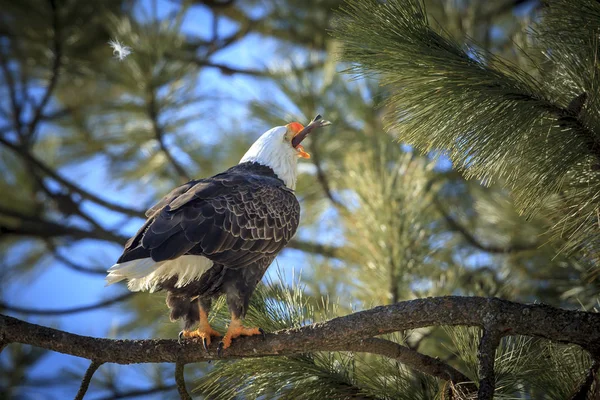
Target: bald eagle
(217, 236)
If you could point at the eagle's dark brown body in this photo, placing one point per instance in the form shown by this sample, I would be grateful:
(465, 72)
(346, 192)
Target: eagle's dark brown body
(239, 220)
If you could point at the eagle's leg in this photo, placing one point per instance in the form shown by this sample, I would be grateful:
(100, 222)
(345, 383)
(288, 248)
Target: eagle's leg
(204, 330)
(237, 302)
(236, 329)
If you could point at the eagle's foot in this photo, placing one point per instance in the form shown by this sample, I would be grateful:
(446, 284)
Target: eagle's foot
(205, 332)
(236, 329)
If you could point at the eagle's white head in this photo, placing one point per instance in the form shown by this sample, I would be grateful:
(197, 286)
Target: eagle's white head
(279, 149)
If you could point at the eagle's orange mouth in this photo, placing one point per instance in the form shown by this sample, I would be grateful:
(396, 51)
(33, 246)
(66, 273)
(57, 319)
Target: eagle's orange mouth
(301, 132)
(297, 128)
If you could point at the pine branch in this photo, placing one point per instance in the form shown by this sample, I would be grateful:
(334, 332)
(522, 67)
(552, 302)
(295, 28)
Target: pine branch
(71, 264)
(506, 7)
(68, 207)
(28, 157)
(315, 248)
(12, 93)
(87, 378)
(32, 225)
(55, 69)
(140, 392)
(160, 137)
(216, 3)
(233, 38)
(489, 342)
(414, 359)
(180, 381)
(454, 225)
(586, 386)
(322, 177)
(228, 69)
(49, 230)
(338, 334)
(65, 311)
(495, 121)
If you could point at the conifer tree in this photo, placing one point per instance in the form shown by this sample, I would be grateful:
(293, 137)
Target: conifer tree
(462, 161)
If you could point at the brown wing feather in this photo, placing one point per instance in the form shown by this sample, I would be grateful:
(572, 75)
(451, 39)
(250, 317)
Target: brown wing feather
(233, 219)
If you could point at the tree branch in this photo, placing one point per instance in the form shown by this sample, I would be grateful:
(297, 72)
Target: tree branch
(57, 54)
(322, 177)
(227, 69)
(87, 378)
(503, 8)
(584, 390)
(64, 311)
(316, 248)
(180, 381)
(73, 265)
(472, 240)
(489, 342)
(216, 3)
(160, 136)
(50, 172)
(338, 334)
(12, 93)
(32, 225)
(414, 359)
(140, 392)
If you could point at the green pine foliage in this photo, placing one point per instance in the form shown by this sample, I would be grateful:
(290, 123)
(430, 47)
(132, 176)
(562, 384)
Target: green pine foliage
(524, 367)
(495, 121)
(308, 376)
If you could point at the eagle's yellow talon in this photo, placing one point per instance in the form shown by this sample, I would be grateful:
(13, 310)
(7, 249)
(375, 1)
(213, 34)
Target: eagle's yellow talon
(204, 331)
(236, 329)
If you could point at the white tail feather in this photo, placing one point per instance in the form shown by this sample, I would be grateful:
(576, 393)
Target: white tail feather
(146, 274)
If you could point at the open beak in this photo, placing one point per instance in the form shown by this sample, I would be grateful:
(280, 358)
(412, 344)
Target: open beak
(317, 122)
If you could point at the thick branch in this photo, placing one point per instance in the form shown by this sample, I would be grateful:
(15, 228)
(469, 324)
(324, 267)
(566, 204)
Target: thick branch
(180, 381)
(64, 311)
(490, 340)
(338, 334)
(87, 378)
